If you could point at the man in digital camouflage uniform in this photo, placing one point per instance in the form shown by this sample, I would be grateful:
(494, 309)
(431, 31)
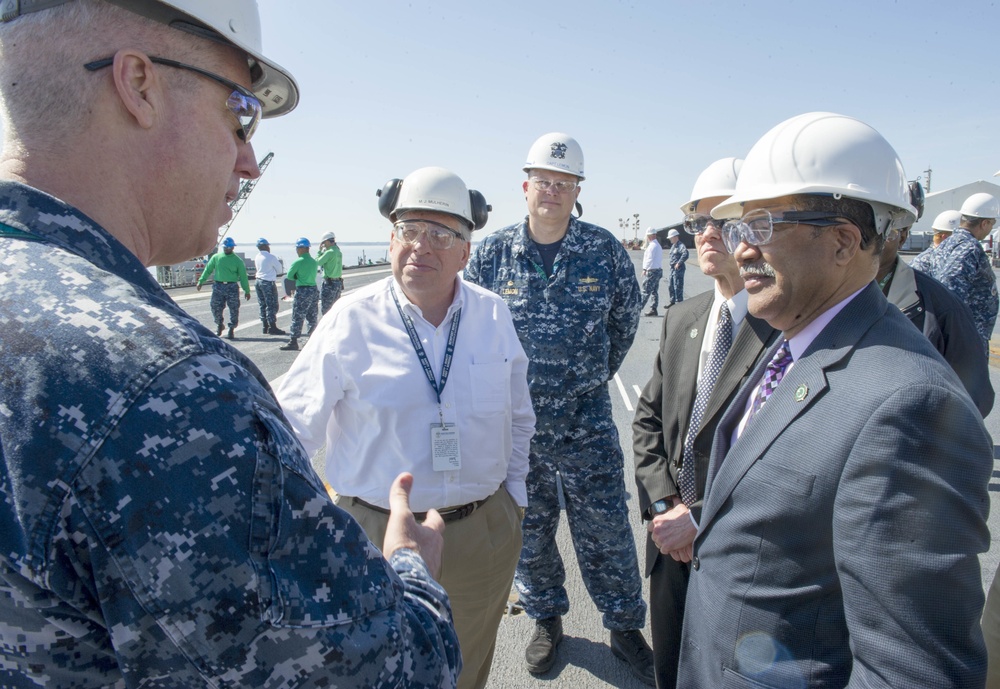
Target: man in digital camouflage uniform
(572, 291)
(677, 258)
(961, 264)
(160, 525)
(230, 274)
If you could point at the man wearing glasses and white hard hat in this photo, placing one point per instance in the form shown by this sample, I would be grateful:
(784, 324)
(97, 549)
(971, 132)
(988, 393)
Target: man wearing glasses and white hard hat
(159, 523)
(423, 372)
(708, 345)
(839, 537)
(572, 290)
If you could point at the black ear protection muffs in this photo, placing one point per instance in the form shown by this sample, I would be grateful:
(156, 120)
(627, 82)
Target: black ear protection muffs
(388, 195)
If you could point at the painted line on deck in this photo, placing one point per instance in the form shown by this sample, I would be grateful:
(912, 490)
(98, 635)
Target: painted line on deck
(624, 393)
(638, 391)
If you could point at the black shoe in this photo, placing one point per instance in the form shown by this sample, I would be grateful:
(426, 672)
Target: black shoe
(267, 329)
(275, 330)
(218, 331)
(651, 312)
(232, 332)
(293, 345)
(540, 654)
(631, 647)
(667, 306)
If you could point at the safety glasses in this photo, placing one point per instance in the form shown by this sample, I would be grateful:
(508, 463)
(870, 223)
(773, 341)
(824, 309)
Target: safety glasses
(696, 223)
(440, 237)
(245, 106)
(757, 227)
(562, 186)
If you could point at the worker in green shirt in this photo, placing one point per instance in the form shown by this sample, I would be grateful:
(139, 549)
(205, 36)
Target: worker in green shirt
(229, 270)
(304, 305)
(332, 262)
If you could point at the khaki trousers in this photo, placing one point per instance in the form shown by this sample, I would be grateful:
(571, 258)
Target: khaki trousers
(477, 570)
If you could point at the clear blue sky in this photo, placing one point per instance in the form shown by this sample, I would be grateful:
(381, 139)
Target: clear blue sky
(654, 91)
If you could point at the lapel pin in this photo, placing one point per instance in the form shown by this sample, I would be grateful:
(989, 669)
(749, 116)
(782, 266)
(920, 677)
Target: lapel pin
(801, 392)
(694, 333)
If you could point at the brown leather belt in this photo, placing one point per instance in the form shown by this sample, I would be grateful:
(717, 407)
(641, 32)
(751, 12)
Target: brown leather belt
(451, 514)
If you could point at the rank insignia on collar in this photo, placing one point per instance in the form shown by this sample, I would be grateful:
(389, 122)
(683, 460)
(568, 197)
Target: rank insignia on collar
(694, 333)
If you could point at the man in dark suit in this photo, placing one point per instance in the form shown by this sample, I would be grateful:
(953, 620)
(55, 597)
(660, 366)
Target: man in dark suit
(695, 332)
(846, 493)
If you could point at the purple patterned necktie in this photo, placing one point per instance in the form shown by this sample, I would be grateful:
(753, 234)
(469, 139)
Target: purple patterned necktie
(720, 348)
(773, 374)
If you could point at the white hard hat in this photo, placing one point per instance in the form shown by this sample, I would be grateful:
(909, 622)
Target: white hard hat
(981, 206)
(825, 153)
(650, 231)
(947, 221)
(433, 189)
(236, 22)
(556, 151)
(328, 237)
(718, 179)
(672, 234)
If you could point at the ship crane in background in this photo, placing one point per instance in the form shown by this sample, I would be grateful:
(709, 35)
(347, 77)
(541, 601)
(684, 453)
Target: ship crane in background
(241, 197)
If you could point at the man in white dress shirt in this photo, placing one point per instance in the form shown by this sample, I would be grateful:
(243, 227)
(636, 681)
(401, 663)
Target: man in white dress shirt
(652, 272)
(423, 372)
(268, 269)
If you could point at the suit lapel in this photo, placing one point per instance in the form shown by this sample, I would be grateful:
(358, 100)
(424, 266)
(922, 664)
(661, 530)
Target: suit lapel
(800, 388)
(686, 353)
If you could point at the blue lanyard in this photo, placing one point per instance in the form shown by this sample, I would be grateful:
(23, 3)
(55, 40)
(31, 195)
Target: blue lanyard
(449, 351)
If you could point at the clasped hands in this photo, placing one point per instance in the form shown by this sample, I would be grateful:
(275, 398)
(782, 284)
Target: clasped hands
(673, 531)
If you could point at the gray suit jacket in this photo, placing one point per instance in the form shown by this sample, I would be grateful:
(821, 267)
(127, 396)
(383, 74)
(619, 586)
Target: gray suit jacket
(839, 537)
(664, 409)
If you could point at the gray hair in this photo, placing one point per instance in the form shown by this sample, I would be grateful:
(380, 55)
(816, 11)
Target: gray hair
(44, 89)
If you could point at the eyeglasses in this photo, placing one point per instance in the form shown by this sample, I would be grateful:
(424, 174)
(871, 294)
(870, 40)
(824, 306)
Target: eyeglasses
(696, 223)
(562, 186)
(440, 237)
(757, 227)
(242, 103)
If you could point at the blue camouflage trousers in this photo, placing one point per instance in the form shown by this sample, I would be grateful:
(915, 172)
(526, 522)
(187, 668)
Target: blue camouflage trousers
(332, 287)
(651, 288)
(225, 294)
(591, 473)
(267, 300)
(304, 308)
(677, 284)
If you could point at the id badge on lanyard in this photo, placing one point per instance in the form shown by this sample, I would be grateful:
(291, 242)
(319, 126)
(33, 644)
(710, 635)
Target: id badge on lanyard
(446, 452)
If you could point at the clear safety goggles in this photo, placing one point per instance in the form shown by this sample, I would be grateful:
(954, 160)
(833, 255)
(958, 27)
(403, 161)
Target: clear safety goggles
(440, 237)
(244, 106)
(757, 227)
(562, 186)
(696, 223)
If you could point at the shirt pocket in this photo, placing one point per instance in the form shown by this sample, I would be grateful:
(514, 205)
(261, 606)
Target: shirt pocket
(315, 566)
(490, 377)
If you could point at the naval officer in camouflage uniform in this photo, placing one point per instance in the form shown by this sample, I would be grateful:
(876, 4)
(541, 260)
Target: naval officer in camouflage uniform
(574, 297)
(961, 264)
(160, 525)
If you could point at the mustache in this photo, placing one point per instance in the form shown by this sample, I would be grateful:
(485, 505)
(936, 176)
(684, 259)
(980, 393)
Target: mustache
(757, 269)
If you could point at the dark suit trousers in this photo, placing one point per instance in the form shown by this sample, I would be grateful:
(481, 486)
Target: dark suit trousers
(668, 583)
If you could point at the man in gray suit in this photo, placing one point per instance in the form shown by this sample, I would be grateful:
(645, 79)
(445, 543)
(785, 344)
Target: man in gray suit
(847, 488)
(708, 346)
